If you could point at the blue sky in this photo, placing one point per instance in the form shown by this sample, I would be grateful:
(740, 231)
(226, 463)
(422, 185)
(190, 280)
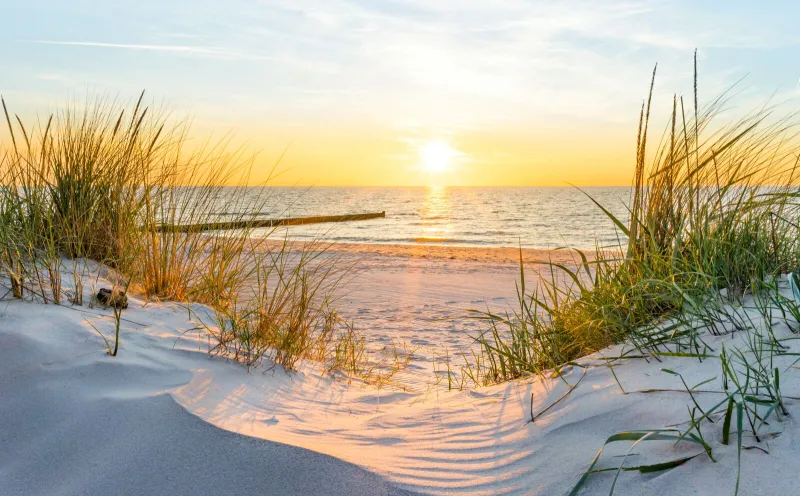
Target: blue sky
(413, 67)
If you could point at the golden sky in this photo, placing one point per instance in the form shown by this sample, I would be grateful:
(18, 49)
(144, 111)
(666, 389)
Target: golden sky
(500, 157)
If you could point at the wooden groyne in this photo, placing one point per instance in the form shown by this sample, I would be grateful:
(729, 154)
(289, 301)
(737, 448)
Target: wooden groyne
(250, 224)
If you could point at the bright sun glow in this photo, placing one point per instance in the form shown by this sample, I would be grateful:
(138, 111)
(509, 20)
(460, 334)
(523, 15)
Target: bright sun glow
(436, 156)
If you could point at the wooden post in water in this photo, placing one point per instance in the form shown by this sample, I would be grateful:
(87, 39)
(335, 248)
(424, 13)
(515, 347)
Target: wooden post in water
(249, 224)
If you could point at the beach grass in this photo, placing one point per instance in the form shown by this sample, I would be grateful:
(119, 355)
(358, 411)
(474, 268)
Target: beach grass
(714, 207)
(101, 180)
(713, 227)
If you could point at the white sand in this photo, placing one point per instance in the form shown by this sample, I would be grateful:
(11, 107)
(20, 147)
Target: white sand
(421, 296)
(78, 423)
(165, 418)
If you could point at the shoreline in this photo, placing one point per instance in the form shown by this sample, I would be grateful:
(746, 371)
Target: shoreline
(481, 254)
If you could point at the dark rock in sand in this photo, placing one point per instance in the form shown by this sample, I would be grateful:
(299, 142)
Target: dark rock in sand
(115, 299)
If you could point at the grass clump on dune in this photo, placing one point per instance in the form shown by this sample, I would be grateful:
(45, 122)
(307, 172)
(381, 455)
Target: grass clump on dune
(105, 182)
(715, 208)
(74, 186)
(713, 227)
(286, 314)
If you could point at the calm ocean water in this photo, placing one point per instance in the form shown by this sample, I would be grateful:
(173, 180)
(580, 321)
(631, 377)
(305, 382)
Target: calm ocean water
(534, 217)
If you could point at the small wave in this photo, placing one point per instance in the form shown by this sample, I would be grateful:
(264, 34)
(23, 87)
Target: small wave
(484, 233)
(438, 240)
(427, 224)
(418, 240)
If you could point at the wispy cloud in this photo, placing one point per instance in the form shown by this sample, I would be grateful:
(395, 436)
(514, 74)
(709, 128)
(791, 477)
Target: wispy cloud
(211, 51)
(453, 63)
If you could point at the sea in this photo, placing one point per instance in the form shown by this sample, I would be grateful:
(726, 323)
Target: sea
(528, 217)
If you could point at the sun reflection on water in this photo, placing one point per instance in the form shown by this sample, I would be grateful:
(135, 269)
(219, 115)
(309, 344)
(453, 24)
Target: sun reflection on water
(435, 215)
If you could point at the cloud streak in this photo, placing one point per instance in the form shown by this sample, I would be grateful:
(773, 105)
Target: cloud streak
(210, 51)
(451, 62)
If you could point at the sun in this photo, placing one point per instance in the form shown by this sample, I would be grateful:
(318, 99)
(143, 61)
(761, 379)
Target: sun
(436, 156)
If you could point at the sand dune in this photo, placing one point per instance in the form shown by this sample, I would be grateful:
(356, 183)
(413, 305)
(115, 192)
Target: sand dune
(76, 421)
(165, 418)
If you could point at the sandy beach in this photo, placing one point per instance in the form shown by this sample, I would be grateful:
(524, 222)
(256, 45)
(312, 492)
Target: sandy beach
(164, 417)
(420, 298)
